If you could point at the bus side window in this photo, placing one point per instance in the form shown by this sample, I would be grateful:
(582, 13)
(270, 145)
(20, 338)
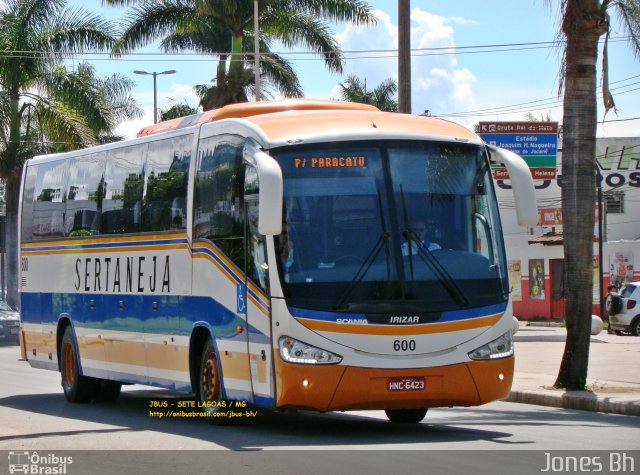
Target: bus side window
(124, 181)
(218, 195)
(166, 177)
(28, 191)
(50, 197)
(85, 193)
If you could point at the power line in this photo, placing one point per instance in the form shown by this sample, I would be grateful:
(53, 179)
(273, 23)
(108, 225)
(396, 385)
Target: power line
(380, 53)
(550, 101)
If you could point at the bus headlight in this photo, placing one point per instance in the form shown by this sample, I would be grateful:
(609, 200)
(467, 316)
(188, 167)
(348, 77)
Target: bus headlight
(294, 351)
(501, 347)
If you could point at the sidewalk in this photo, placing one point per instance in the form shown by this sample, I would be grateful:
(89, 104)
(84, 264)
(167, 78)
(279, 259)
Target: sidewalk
(613, 377)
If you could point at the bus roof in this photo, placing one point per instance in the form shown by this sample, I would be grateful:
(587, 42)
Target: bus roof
(351, 125)
(248, 109)
(293, 119)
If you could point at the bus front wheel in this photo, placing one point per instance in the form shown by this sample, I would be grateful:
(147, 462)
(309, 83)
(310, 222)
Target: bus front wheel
(209, 386)
(76, 388)
(406, 416)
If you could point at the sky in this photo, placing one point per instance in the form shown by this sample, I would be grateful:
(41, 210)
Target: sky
(471, 61)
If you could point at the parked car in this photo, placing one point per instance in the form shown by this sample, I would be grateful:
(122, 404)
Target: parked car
(9, 325)
(624, 309)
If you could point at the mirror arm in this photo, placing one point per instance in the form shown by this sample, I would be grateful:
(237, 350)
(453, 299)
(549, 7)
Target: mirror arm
(271, 188)
(522, 185)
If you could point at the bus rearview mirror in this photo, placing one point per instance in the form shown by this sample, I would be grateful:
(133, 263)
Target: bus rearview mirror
(270, 189)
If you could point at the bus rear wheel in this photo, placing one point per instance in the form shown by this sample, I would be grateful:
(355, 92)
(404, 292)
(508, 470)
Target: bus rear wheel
(76, 388)
(406, 416)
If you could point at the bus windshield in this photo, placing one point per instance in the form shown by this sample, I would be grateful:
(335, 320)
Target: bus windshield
(389, 226)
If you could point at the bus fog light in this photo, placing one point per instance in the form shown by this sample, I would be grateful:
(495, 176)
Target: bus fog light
(501, 347)
(294, 351)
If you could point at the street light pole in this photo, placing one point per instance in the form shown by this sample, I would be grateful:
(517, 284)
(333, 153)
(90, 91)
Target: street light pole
(155, 93)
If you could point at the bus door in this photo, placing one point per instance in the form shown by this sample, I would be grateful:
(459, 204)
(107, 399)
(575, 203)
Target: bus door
(258, 306)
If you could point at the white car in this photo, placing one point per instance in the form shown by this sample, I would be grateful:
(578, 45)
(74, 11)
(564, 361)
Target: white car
(624, 309)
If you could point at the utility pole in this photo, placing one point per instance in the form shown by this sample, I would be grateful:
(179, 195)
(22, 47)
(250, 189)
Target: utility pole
(256, 49)
(404, 57)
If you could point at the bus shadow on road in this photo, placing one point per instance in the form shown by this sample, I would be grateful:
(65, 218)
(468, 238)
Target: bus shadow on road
(265, 429)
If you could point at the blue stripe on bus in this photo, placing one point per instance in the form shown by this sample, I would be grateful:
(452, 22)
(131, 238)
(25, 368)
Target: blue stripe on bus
(227, 268)
(238, 277)
(175, 314)
(449, 316)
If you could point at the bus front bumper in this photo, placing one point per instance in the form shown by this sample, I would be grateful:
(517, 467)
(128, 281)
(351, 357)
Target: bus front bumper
(342, 388)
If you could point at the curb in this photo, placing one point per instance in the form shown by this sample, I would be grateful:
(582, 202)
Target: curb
(560, 338)
(581, 400)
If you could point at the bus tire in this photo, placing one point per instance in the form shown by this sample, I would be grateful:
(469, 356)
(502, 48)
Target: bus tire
(77, 388)
(209, 382)
(406, 416)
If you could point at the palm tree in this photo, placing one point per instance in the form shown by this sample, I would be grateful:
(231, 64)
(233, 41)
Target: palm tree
(353, 89)
(583, 23)
(39, 99)
(225, 28)
(113, 95)
(177, 110)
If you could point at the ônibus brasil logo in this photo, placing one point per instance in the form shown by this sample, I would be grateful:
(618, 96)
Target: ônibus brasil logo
(41, 464)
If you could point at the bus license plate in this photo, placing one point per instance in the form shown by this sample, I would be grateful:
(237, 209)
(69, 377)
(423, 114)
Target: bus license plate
(14, 330)
(410, 383)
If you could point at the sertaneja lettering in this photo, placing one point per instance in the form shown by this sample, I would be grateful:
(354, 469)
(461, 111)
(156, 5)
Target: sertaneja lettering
(98, 274)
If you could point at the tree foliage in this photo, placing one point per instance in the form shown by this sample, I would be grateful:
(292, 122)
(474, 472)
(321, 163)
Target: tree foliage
(225, 28)
(353, 89)
(177, 110)
(43, 105)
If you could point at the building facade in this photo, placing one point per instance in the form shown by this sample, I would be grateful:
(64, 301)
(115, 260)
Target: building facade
(536, 256)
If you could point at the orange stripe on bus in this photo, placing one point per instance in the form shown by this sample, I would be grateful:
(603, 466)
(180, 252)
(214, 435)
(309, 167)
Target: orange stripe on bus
(152, 247)
(260, 306)
(235, 365)
(218, 265)
(103, 240)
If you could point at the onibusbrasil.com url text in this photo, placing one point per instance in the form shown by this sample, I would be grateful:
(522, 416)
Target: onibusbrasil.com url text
(189, 414)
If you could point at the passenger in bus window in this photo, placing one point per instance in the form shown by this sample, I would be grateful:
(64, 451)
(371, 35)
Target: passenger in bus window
(286, 249)
(259, 271)
(419, 236)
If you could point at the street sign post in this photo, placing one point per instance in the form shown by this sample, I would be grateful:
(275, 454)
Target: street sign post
(535, 142)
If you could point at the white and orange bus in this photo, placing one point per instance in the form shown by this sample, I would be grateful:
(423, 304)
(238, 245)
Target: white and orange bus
(290, 254)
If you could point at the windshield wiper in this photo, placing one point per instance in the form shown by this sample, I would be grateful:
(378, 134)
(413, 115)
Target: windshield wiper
(383, 241)
(434, 264)
(427, 256)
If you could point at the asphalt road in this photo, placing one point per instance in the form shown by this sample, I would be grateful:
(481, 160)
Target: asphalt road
(34, 416)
